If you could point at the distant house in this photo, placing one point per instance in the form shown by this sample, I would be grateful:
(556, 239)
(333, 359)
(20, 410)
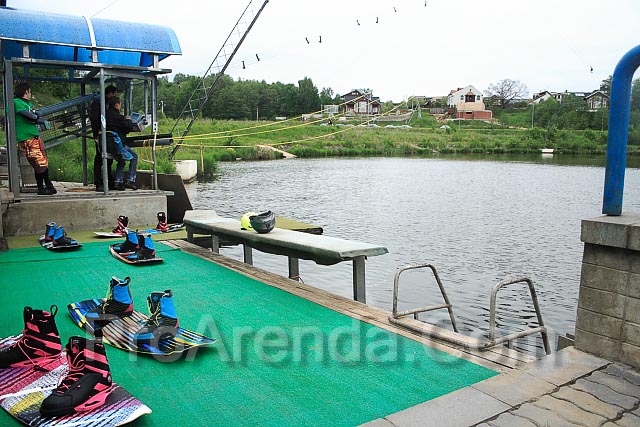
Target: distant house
(597, 100)
(559, 96)
(468, 104)
(541, 96)
(433, 104)
(467, 95)
(359, 102)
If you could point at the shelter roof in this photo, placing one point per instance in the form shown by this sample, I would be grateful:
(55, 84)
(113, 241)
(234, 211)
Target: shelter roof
(60, 37)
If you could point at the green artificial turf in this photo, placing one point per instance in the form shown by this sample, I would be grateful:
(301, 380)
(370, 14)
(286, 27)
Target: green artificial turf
(280, 360)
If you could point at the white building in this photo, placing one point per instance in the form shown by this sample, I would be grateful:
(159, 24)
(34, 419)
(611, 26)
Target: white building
(467, 95)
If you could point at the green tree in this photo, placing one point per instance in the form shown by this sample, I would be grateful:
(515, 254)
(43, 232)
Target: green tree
(328, 97)
(635, 95)
(605, 86)
(308, 98)
(286, 103)
(387, 106)
(634, 119)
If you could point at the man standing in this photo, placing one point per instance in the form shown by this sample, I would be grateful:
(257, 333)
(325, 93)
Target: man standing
(94, 117)
(28, 137)
(118, 123)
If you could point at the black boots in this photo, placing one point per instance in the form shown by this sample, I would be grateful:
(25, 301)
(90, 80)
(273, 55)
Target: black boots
(40, 340)
(121, 227)
(45, 186)
(87, 384)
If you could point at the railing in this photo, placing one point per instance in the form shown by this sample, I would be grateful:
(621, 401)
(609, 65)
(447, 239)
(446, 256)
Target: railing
(416, 311)
(399, 317)
(66, 120)
(493, 341)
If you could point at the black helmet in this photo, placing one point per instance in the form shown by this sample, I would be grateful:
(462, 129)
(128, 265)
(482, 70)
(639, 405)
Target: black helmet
(264, 222)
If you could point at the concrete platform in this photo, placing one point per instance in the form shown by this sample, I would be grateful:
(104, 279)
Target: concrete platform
(569, 388)
(79, 208)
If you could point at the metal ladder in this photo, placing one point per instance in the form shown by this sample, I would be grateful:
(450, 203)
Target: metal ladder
(399, 318)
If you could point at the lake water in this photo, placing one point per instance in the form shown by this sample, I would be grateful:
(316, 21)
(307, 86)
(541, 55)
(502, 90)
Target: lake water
(477, 220)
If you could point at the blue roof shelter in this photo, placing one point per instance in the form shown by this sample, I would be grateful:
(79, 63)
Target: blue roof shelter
(93, 51)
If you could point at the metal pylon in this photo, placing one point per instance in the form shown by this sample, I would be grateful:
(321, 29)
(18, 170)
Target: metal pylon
(223, 58)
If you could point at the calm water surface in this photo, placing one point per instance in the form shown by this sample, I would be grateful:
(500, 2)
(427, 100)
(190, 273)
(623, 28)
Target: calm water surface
(478, 221)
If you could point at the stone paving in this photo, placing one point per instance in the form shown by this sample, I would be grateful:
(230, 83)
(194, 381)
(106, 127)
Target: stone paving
(606, 397)
(567, 388)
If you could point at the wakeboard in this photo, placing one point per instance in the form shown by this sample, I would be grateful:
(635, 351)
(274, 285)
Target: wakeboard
(172, 227)
(119, 333)
(109, 234)
(124, 257)
(22, 391)
(57, 248)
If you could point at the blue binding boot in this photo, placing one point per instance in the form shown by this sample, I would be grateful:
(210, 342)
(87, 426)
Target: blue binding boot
(49, 230)
(146, 250)
(129, 246)
(163, 320)
(117, 305)
(60, 238)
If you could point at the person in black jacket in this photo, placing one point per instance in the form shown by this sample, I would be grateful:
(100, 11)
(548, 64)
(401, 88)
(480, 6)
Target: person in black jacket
(118, 123)
(94, 118)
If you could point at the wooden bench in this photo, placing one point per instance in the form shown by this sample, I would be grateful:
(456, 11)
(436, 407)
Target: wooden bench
(295, 245)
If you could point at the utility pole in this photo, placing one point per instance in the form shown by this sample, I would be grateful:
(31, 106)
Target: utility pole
(533, 109)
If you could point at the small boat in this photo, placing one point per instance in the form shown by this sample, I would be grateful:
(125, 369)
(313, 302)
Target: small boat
(547, 150)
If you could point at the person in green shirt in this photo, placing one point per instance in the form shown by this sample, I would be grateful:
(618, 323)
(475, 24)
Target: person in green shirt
(28, 137)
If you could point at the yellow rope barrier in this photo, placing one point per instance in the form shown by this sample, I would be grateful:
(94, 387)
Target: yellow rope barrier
(146, 144)
(205, 136)
(227, 133)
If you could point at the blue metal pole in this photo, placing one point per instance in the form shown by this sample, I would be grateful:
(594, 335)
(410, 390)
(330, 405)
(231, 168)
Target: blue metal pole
(619, 109)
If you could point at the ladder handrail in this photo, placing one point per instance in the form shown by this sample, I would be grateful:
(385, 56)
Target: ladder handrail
(415, 312)
(492, 315)
(493, 341)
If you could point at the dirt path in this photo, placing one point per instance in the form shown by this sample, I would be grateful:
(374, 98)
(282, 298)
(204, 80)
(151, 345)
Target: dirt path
(284, 153)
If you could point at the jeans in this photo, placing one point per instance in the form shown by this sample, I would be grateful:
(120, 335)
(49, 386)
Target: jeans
(133, 163)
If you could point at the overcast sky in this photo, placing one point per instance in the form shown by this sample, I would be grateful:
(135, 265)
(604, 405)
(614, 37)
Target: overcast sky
(413, 49)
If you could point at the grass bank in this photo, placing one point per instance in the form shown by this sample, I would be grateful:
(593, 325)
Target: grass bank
(229, 140)
(211, 141)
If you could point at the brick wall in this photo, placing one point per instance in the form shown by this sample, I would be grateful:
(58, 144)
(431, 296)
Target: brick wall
(474, 115)
(608, 316)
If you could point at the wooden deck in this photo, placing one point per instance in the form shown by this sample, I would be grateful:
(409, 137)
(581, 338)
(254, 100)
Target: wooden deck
(500, 359)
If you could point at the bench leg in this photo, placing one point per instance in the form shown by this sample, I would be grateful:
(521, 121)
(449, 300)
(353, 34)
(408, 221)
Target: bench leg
(189, 235)
(248, 254)
(294, 269)
(215, 244)
(359, 288)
